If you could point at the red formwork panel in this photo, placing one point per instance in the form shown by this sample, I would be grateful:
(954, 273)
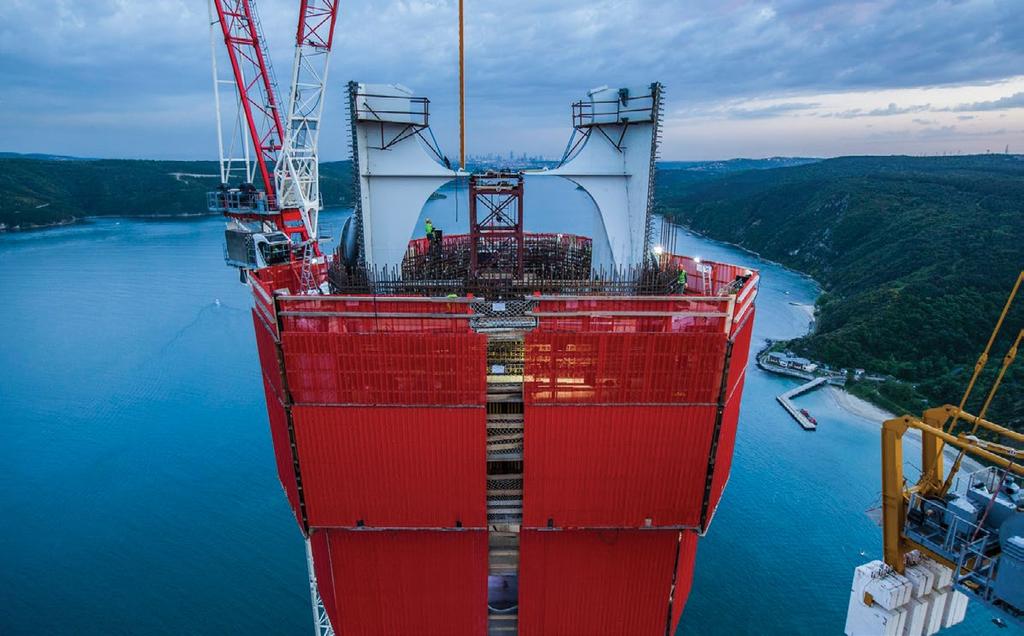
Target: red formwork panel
(277, 415)
(425, 582)
(320, 547)
(740, 349)
(282, 450)
(386, 369)
(726, 445)
(612, 368)
(730, 414)
(684, 576)
(408, 467)
(615, 466)
(595, 582)
(266, 345)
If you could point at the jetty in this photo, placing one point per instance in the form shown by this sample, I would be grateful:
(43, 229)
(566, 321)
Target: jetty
(785, 401)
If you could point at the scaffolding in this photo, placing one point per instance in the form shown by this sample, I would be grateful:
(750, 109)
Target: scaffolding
(496, 225)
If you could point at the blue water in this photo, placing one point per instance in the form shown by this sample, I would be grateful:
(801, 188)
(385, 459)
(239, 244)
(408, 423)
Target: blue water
(138, 492)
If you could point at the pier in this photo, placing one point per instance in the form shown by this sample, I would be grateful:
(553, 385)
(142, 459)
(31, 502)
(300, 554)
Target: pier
(785, 398)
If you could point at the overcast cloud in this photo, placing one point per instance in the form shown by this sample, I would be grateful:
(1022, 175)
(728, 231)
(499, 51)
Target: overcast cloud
(131, 78)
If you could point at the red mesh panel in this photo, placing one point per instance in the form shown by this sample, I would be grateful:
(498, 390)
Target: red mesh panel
(623, 368)
(379, 369)
(607, 315)
(392, 467)
(409, 582)
(684, 576)
(360, 314)
(615, 466)
(595, 582)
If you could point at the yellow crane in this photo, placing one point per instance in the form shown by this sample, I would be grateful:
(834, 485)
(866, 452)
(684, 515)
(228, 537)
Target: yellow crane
(978, 534)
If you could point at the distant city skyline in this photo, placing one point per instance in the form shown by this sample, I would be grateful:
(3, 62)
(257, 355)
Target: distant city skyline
(744, 79)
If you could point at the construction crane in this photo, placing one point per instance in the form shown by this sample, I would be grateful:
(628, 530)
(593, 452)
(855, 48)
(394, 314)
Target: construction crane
(277, 221)
(942, 545)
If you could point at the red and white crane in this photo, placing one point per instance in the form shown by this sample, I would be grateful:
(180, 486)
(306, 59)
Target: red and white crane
(277, 222)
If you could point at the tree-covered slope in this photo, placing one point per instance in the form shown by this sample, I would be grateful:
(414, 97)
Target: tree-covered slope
(43, 191)
(916, 255)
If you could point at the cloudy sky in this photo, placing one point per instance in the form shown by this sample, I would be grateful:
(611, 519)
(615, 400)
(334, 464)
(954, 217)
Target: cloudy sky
(131, 78)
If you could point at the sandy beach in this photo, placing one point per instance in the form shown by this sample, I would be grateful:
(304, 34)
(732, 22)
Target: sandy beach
(857, 406)
(875, 415)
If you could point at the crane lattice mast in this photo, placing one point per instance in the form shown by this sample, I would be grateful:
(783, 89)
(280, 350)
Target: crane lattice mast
(253, 76)
(297, 175)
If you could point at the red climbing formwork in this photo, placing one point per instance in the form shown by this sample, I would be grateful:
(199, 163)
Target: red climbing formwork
(408, 582)
(385, 467)
(615, 466)
(685, 562)
(597, 430)
(599, 582)
(277, 415)
(730, 415)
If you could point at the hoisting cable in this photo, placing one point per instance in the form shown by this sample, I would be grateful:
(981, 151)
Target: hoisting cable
(462, 93)
(983, 358)
(1008, 359)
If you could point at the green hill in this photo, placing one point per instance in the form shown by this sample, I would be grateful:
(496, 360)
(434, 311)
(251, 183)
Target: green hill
(916, 256)
(44, 191)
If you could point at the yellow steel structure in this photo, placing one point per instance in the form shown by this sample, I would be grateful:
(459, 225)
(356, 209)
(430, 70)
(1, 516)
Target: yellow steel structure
(938, 428)
(896, 496)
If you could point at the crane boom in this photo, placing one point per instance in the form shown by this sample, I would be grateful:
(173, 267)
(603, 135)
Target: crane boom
(253, 76)
(297, 175)
(278, 224)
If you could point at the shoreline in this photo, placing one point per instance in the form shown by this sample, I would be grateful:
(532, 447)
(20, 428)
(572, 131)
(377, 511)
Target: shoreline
(858, 406)
(79, 220)
(854, 404)
(705, 237)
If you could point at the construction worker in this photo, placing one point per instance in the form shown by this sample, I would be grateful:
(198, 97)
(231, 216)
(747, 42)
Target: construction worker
(429, 227)
(681, 280)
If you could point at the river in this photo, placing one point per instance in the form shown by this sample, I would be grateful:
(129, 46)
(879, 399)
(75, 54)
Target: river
(139, 494)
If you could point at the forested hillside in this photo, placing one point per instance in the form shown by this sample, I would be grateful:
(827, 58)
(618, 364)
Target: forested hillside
(916, 255)
(44, 191)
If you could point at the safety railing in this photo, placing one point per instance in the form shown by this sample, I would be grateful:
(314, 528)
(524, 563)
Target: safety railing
(649, 299)
(624, 109)
(402, 109)
(240, 202)
(936, 526)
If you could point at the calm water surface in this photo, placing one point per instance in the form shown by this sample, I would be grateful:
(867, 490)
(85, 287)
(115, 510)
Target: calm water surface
(139, 494)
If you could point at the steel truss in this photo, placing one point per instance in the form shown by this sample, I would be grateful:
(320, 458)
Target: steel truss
(321, 622)
(297, 175)
(254, 81)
